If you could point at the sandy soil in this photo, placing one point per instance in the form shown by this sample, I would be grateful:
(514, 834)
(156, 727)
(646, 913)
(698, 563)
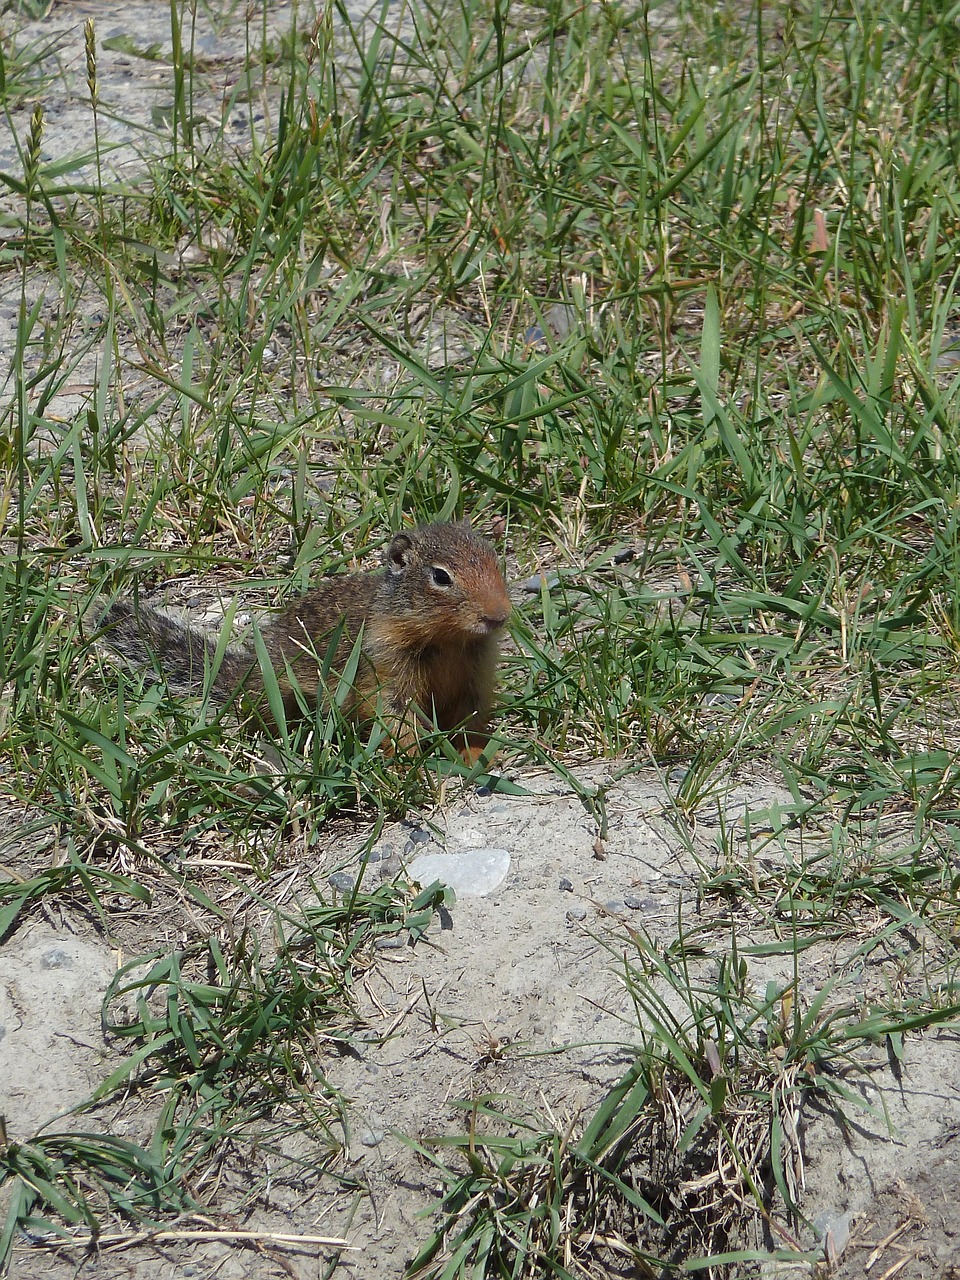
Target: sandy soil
(517, 992)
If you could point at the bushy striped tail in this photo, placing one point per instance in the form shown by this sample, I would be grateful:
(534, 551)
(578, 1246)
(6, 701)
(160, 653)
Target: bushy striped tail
(146, 638)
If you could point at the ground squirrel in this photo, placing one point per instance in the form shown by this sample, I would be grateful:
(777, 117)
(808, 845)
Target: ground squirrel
(429, 621)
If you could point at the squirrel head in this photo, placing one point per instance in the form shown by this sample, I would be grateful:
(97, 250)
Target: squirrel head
(445, 580)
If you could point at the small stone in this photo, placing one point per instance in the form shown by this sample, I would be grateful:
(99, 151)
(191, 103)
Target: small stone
(614, 907)
(470, 838)
(474, 873)
(372, 1137)
(420, 836)
(394, 943)
(577, 913)
(720, 700)
(342, 882)
(56, 958)
(533, 586)
(635, 903)
(562, 319)
(565, 886)
(678, 775)
(833, 1229)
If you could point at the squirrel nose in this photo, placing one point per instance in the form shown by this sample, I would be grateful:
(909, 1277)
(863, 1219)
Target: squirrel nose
(497, 615)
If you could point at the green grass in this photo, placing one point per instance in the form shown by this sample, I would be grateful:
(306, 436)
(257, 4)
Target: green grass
(679, 281)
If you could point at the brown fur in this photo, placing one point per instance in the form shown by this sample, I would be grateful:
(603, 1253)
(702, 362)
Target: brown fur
(429, 622)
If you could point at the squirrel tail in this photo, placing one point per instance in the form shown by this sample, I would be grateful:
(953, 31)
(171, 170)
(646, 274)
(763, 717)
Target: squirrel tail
(147, 638)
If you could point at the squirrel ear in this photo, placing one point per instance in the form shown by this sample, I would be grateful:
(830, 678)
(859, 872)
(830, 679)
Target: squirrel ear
(398, 553)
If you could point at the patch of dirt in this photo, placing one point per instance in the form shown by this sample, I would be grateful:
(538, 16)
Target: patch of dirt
(913, 1224)
(136, 94)
(517, 993)
(52, 1054)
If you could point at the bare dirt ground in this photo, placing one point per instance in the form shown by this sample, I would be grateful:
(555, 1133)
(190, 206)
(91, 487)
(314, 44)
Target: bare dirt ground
(518, 993)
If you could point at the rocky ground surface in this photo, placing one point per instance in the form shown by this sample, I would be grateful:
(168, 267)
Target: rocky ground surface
(517, 990)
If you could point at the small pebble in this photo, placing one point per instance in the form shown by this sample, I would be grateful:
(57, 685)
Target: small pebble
(56, 958)
(394, 943)
(677, 775)
(838, 1227)
(533, 586)
(633, 902)
(372, 1137)
(562, 319)
(577, 913)
(566, 886)
(720, 700)
(473, 872)
(342, 882)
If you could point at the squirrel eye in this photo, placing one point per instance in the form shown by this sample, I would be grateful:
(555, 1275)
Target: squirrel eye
(440, 577)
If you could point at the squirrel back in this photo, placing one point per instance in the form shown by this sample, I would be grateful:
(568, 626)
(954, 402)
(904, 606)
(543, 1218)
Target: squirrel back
(428, 624)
